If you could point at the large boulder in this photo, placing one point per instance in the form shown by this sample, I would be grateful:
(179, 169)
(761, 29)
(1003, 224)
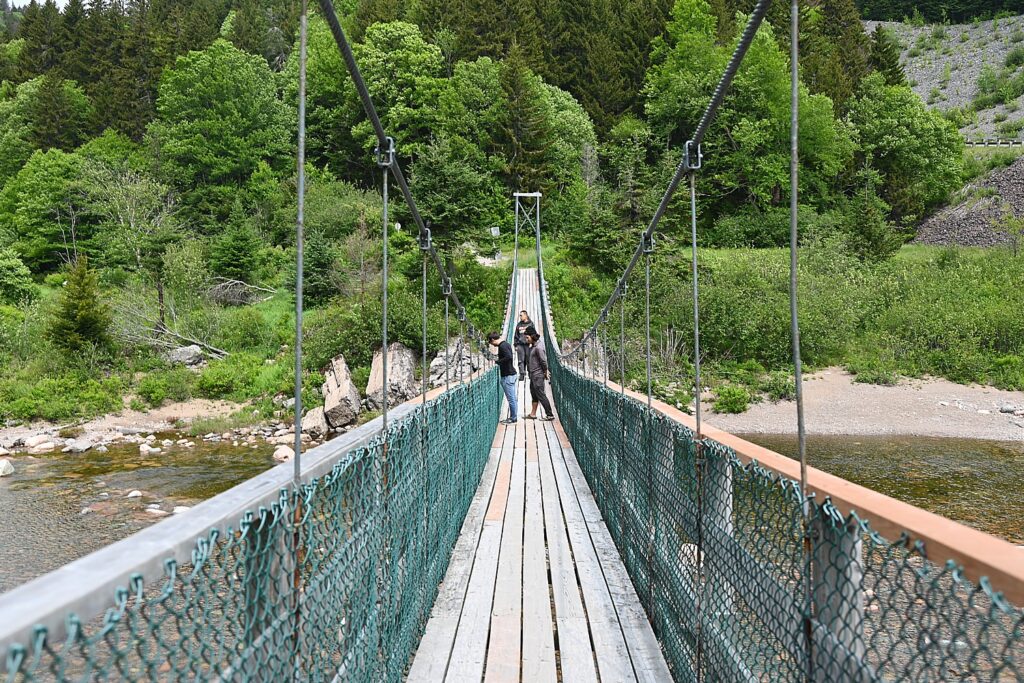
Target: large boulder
(341, 398)
(458, 360)
(315, 422)
(6, 468)
(402, 383)
(186, 355)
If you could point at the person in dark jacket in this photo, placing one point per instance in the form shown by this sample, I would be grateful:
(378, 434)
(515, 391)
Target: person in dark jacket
(537, 366)
(507, 372)
(522, 345)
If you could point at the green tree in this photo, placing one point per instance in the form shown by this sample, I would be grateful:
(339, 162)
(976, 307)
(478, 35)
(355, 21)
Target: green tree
(15, 279)
(885, 56)
(525, 134)
(81, 320)
(235, 253)
(918, 153)
(41, 29)
(218, 117)
(746, 151)
(73, 58)
(41, 208)
(44, 113)
(869, 232)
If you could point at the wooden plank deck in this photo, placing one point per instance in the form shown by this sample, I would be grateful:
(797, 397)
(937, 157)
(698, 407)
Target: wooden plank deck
(536, 590)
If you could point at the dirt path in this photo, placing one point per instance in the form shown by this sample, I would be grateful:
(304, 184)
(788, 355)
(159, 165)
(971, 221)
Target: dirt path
(835, 404)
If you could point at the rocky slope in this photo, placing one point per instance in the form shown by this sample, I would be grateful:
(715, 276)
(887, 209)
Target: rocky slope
(973, 213)
(943, 63)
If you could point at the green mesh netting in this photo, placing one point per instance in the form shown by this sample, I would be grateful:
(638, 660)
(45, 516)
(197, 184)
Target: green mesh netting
(716, 552)
(335, 582)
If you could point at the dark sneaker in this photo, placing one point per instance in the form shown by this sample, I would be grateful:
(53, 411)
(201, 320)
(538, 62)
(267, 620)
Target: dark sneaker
(508, 421)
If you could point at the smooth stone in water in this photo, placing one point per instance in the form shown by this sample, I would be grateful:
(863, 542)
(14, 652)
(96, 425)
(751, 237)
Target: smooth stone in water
(135, 494)
(283, 454)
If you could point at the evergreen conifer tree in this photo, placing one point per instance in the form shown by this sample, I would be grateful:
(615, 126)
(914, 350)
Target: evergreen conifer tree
(41, 29)
(61, 115)
(82, 319)
(73, 59)
(525, 131)
(885, 57)
(234, 254)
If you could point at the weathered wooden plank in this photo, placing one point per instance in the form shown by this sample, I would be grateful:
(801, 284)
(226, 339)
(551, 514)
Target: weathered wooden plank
(610, 647)
(470, 648)
(434, 651)
(576, 654)
(504, 646)
(648, 660)
(496, 508)
(538, 628)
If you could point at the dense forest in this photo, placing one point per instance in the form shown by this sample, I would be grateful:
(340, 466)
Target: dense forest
(938, 10)
(147, 158)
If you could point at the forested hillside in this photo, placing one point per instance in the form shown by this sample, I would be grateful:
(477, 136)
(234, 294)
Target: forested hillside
(147, 158)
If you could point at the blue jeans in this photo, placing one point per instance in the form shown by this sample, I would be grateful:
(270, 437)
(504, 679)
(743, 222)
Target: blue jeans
(509, 385)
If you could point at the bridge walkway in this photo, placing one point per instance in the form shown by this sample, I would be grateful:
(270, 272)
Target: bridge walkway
(535, 590)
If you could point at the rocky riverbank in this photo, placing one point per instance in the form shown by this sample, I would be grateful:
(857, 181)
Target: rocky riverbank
(835, 404)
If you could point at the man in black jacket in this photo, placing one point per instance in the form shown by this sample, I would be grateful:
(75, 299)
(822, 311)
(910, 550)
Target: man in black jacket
(507, 371)
(522, 344)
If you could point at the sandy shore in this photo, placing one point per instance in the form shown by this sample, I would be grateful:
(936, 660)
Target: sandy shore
(835, 404)
(156, 420)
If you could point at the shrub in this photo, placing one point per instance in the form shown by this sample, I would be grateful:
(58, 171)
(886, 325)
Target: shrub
(778, 386)
(82, 319)
(60, 398)
(15, 279)
(732, 399)
(1015, 57)
(174, 385)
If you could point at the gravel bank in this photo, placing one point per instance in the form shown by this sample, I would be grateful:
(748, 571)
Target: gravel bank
(835, 404)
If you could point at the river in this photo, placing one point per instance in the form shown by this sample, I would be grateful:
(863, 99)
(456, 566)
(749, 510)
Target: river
(58, 507)
(975, 482)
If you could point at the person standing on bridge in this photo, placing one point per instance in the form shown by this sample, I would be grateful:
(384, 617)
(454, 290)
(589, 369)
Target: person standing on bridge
(507, 372)
(522, 345)
(537, 365)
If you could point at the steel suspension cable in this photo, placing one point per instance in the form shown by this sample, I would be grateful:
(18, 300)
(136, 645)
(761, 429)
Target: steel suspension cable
(300, 220)
(794, 188)
(383, 141)
(691, 153)
(696, 307)
(384, 313)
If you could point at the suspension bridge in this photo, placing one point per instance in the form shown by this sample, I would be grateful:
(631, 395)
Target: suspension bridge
(624, 541)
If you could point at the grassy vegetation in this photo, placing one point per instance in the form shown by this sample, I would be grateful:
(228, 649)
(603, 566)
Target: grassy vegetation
(953, 313)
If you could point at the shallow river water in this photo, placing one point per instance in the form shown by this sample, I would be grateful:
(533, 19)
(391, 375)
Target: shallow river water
(43, 519)
(43, 524)
(978, 483)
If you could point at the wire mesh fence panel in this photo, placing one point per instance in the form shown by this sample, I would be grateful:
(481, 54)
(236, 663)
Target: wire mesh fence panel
(332, 582)
(740, 586)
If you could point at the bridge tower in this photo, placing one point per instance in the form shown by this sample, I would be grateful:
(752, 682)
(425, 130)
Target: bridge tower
(528, 215)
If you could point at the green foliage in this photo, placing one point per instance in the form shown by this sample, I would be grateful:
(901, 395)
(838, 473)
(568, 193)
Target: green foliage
(885, 56)
(218, 117)
(731, 399)
(917, 152)
(81, 319)
(44, 113)
(235, 253)
(168, 385)
(747, 148)
(778, 386)
(15, 279)
(69, 396)
(1015, 57)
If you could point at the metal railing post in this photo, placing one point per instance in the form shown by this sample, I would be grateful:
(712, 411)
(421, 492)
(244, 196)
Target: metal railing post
(837, 598)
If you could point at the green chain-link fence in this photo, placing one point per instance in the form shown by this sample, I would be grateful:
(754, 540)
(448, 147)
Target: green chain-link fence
(716, 552)
(334, 582)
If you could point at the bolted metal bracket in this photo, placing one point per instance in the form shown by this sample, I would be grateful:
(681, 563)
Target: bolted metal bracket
(446, 287)
(461, 314)
(386, 155)
(692, 156)
(649, 244)
(425, 240)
